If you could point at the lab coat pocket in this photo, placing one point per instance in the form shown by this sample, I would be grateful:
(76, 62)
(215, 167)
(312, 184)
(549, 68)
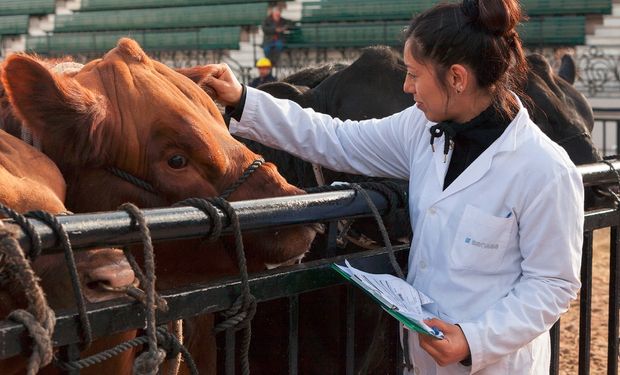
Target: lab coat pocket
(481, 240)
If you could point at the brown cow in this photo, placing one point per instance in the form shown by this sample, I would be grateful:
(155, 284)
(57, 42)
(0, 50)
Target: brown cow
(130, 112)
(30, 181)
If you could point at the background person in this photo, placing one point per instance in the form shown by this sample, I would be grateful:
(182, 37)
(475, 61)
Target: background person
(264, 72)
(496, 206)
(274, 28)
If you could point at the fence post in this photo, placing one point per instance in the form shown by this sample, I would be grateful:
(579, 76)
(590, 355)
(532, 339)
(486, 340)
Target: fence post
(585, 317)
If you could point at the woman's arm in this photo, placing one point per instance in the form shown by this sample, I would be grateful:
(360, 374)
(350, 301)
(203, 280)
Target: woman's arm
(371, 147)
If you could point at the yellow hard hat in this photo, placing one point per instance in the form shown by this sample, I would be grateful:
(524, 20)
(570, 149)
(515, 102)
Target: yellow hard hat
(263, 62)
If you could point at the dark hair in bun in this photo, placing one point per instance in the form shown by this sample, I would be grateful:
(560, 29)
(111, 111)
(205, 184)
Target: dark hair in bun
(478, 33)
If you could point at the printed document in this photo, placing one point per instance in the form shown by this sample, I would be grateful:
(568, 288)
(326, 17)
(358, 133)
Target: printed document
(397, 297)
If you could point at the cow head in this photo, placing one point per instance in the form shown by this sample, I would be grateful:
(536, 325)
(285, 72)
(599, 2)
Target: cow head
(30, 181)
(561, 111)
(130, 112)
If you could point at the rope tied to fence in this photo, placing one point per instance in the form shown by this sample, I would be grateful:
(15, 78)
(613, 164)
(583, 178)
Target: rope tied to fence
(396, 196)
(61, 233)
(148, 362)
(39, 319)
(166, 340)
(614, 195)
(240, 314)
(36, 246)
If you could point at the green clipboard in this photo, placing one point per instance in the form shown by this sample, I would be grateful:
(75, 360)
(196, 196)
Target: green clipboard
(412, 325)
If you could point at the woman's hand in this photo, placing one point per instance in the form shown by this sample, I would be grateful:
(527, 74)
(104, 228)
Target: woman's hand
(227, 90)
(452, 349)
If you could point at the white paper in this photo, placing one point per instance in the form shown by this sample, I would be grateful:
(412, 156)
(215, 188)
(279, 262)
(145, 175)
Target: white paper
(397, 294)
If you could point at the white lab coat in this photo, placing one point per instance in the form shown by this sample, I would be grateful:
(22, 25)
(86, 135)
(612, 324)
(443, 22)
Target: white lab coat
(499, 250)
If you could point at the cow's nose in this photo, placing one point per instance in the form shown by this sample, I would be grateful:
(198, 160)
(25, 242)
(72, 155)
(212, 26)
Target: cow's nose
(106, 274)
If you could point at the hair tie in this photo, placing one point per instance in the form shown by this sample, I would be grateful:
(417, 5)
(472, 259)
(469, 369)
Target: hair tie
(471, 9)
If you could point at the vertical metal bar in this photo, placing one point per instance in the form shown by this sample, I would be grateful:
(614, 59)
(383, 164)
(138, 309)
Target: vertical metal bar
(70, 353)
(554, 369)
(350, 350)
(614, 303)
(293, 335)
(399, 363)
(230, 352)
(332, 235)
(604, 123)
(585, 319)
(617, 137)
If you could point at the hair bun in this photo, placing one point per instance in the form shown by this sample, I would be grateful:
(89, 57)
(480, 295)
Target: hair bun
(471, 9)
(496, 17)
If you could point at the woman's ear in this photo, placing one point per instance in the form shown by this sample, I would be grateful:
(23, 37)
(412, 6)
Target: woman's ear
(458, 78)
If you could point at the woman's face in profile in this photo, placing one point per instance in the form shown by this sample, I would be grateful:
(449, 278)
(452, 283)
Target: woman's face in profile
(422, 83)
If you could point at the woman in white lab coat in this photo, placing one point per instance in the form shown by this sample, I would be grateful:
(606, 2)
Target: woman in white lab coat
(496, 207)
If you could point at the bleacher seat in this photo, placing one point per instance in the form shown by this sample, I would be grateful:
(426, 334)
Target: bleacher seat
(13, 25)
(371, 10)
(163, 18)
(362, 10)
(199, 39)
(12, 7)
(547, 31)
(558, 7)
(563, 30)
(94, 5)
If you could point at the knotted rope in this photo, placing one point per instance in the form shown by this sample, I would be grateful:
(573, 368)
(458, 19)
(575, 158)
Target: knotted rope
(148, 362)
(240, 314)
(39, 319)
(165, 339)
(54, 224)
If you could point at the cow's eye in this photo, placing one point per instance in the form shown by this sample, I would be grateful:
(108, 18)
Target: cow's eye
(177, 162)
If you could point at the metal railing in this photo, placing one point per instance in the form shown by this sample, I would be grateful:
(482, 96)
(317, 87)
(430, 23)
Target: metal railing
(113, 229)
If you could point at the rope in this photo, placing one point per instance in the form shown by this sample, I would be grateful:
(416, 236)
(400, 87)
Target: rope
(240, 314)
(208, 209)
(35, 240)
(395, 196)
(614, 195)
(148, 362)
(166, 340)
(132, 179)
(39, 319)
(246, 174)
(60, 231)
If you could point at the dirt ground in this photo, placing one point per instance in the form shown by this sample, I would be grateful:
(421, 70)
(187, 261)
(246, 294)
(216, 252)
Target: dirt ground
(569, 344)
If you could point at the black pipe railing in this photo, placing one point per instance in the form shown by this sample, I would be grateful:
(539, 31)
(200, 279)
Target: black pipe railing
(114, 229)
(125, 314)
(110, 229)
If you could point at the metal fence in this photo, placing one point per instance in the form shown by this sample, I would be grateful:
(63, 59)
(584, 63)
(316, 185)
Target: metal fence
(114, 229)
(606, 132)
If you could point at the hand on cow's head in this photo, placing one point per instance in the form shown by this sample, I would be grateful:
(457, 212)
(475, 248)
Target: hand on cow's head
(223, 83)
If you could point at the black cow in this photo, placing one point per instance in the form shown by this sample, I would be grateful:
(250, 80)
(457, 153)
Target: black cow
(371, 87)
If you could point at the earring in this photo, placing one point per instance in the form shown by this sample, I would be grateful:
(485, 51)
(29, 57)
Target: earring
(458, 90)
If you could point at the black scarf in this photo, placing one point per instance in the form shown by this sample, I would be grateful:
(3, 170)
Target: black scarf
(469, 139)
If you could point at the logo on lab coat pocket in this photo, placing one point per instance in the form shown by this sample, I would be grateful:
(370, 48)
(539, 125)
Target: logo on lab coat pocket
(483, 245)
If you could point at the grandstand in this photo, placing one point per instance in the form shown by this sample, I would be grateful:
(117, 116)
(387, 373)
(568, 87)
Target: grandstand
(90, 27)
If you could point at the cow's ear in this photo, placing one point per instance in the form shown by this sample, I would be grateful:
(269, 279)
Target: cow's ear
(198, 74)
(47, 102)
(53, 106)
